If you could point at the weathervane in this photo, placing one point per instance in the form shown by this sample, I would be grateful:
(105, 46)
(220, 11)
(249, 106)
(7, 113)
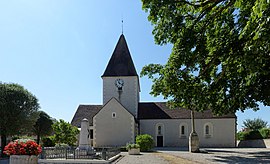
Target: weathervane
(122, 25)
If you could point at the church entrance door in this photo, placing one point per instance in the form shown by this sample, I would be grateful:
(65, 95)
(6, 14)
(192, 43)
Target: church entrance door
(159, 141)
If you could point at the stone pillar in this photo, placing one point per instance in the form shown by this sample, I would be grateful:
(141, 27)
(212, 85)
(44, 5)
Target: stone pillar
(84, 139)
(193, 137)
(194, 142)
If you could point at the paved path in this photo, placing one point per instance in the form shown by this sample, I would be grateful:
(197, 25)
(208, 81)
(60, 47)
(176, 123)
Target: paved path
(177, 155)
(224, 155)
(147, 158)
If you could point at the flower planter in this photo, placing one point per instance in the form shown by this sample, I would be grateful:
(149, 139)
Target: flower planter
(134, 151)
(23, 159)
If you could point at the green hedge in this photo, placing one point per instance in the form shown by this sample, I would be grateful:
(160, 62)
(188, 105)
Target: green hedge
(145, 141)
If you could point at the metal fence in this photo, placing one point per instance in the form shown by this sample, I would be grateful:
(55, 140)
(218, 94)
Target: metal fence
(75, 153)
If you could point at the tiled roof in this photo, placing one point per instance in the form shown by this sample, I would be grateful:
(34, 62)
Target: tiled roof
(85, 111)
(121, 63)
(159, 110)
(147, 110)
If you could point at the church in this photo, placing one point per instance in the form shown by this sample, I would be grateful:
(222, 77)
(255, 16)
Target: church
(122, 116)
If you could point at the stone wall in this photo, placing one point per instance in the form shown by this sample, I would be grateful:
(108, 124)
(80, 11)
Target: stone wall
(262, 143)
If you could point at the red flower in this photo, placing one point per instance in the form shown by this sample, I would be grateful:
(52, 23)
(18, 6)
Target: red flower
(22, 147)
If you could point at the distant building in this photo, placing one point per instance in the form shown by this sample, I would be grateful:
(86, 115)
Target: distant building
(122, 116)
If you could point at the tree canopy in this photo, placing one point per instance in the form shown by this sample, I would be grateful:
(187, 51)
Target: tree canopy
(43, 125)
(18, 110)
(65, 133)
(220, 58)
(255, 124)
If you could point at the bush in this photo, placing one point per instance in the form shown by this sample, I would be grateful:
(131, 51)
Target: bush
(265, 132)
(130, 146)
(48, 142)
(145, 141)
(61, 146)
(241, 135)
(249, 135)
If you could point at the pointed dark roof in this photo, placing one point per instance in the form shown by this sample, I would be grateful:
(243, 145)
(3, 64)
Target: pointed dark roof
(121, 63)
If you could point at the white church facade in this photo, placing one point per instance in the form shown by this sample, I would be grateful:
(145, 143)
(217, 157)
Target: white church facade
(122, 116)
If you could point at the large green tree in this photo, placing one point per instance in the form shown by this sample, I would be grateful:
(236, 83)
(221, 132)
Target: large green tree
(65, 133)
(18, 110)
(220, 58)
(43, 125)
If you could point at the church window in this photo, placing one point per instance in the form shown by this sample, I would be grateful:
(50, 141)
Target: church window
(208, 130)
(113, 115)
(159, 130)
(183, 130)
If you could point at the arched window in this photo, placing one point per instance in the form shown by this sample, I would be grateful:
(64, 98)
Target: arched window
(208, 130)
(183, 129)
(159, 129)
(113, 115)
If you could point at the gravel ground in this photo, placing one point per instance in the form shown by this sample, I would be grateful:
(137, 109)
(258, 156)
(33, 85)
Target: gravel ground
(224, 155)
(146, 158)
(211, 155)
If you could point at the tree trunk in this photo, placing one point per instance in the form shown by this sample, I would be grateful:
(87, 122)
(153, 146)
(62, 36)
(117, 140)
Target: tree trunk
(193, 122)
(38, 138)
(3, 143)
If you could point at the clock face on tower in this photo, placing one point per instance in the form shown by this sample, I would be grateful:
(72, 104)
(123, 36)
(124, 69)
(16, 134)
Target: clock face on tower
(119, 83)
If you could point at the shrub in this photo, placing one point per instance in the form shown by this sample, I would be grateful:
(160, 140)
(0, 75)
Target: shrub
(145, 141)
(249, 135)
(253, 135)
(241, 135)
(48, 142)
(61, 146)
(265, 132)
(130, 146)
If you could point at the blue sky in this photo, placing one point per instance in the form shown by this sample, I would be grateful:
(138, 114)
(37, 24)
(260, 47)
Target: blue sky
(58, 50)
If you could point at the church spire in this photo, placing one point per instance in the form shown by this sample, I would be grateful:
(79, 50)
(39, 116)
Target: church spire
(121, 63)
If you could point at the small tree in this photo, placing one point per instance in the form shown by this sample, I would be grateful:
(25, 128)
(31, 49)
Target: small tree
(43, 125)
(65, 133)
(255, 124)
(145, 141)
(18, 110)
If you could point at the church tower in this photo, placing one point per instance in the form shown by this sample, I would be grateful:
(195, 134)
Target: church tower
(120, 79)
